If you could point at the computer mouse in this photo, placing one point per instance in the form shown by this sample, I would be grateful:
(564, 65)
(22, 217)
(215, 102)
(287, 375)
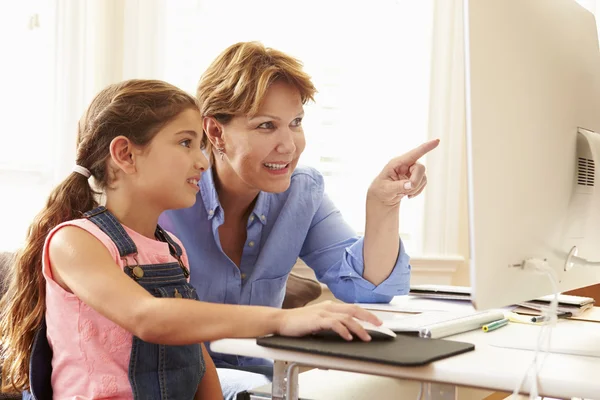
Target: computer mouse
(376, 332)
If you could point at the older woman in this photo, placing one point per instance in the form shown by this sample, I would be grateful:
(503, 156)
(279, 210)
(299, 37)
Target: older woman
(257, 211)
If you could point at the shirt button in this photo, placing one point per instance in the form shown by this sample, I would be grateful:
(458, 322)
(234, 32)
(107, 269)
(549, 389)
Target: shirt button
(251, 244)
(243, 276)
(263, 217)
(211, 212)
(251, 218)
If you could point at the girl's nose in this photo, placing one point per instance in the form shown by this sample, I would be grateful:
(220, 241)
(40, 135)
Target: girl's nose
(202, 162)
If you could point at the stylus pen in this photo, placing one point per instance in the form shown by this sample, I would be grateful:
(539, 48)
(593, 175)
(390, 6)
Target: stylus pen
(492, 326)
(541, 318)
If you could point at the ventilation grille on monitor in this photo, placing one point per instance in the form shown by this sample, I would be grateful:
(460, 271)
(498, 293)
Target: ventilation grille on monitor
(585, 171)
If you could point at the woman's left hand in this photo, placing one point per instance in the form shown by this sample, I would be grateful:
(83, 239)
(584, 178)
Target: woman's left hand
(402, 176)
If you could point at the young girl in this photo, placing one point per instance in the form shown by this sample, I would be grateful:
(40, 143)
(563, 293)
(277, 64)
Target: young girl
(106, 288)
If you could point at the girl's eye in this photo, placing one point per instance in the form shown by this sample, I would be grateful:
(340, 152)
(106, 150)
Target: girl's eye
(266, 125)
(297, 122)
(186, 143)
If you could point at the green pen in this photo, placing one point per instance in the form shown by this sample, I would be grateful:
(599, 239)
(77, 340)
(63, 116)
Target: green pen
(495, 325)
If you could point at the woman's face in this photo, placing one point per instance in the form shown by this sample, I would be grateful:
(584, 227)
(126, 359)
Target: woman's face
(263, 150)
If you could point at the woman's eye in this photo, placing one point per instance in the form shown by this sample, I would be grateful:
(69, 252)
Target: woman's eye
(186, 143)
(297, 122)
(266, 125)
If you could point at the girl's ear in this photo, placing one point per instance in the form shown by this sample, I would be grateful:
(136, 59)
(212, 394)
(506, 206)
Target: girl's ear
(122, 154)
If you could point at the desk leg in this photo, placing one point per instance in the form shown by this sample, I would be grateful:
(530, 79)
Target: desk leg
(438, 391)
(285, 381)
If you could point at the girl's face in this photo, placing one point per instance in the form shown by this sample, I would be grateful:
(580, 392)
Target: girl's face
(169, 168)
(262, 151)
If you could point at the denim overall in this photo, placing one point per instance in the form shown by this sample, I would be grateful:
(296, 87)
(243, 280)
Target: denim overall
(155, 371)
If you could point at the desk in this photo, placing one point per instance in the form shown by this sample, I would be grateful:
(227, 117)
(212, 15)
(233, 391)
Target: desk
(488, 367)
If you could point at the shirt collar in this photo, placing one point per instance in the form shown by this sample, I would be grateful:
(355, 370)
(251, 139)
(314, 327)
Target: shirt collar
(261, 208)
(212, 204)
(209, 193)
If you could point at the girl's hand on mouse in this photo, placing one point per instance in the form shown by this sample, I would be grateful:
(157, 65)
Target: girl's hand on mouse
(327, 315)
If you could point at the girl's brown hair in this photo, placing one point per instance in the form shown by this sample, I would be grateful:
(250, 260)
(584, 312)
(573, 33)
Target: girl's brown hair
(237, 80)
(136, 109)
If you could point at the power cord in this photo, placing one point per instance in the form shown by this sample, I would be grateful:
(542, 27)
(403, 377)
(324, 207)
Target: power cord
(545, 335)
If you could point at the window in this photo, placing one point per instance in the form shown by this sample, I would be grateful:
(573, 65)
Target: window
(370, 64)
(369, 61)
(26, 142)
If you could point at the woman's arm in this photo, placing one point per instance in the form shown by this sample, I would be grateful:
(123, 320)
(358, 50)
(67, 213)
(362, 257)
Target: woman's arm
(81, 264)
(334, 251)
(382, 240)
(402, 176)
(210, 387)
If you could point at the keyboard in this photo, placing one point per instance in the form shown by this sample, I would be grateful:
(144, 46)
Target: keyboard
(441, 324)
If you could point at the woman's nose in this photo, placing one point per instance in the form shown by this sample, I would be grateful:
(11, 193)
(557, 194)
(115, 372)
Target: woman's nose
(287, 144)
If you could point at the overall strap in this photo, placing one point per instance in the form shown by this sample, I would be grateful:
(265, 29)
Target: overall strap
(174, 248)
(163, 236)
(107, 222)
(113, 228)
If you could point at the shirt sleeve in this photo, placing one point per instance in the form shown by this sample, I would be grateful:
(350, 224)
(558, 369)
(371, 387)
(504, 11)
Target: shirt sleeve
(335, 253)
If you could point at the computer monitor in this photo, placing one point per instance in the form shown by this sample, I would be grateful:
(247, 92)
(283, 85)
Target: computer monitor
(532, 110)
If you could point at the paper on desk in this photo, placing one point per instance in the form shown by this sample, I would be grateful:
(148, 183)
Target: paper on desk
(591, 315)
(412, 304)
(521, 319)
(567, 337)
(532, 309)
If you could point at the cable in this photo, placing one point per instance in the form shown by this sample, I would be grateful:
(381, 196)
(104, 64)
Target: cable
(582, 262)
(545, 334)
(573, 260)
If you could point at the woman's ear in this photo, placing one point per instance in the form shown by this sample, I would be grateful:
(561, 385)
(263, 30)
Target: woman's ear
(214, 131)
(122, 154)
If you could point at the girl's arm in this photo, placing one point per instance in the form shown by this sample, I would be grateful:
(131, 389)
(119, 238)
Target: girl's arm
(81, 264)
(210, 387)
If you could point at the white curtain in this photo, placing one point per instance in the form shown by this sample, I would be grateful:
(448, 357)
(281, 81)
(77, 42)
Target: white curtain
(445, 217)
(99, 42)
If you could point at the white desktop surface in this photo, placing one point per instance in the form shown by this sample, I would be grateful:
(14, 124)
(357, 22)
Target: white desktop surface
(488, 367)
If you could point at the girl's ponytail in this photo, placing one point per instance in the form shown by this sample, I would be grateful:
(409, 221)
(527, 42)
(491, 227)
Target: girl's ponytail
(23, 306)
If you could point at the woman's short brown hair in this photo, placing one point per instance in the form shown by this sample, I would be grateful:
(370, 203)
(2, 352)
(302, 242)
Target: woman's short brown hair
(238, 79)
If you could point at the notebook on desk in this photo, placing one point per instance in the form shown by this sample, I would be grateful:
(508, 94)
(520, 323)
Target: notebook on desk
(444, 292)
(401, 351)
(574, 306)
(566, 303)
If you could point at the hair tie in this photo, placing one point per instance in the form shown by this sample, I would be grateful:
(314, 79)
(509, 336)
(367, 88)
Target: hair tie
(82, 171)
